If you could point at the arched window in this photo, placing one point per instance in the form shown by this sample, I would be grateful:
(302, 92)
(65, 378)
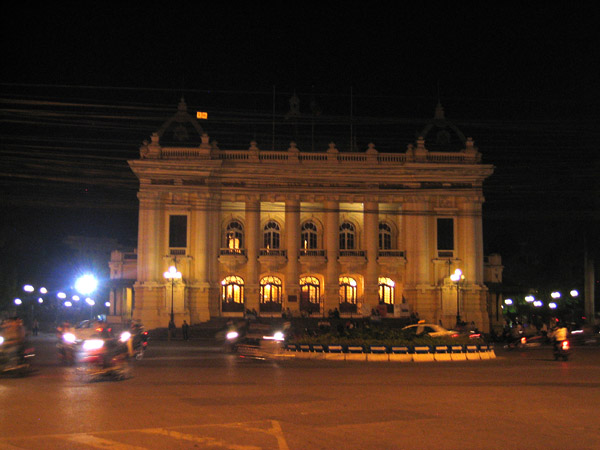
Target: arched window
(270, 290)
(385, 236)
(347, 290)
(232, 294)
(309, 236)
(347, 236)
(271, 235)
(235, 235)
(386, 291)
(310, 295)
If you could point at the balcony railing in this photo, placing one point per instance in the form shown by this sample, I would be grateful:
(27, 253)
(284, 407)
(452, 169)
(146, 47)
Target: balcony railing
(391, 253)
(359, 253)
(272, 252)
(312, 252)
(177, 251)
(233, 251)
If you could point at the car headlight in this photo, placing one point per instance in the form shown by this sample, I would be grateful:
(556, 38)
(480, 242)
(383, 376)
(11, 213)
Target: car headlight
(232, 335)
(1, 340)
(125, 335)
(69, 338)
(93, 344)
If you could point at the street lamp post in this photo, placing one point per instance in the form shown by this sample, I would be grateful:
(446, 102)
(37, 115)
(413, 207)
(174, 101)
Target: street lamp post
(172, 274)
(457, 277)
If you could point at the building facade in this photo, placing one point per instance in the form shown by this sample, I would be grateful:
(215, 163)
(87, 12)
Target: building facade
(308, 232)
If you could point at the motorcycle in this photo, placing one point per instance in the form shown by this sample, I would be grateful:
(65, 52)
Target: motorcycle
(562, 349)
(15, 359)
(66, 348)
(105, 357)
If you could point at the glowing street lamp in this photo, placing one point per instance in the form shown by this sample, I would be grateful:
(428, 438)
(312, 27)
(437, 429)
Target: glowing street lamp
(172, 274)
(28, 288)
(457, 277)
(61, 295)
(529, 299)
(555, 295)
(508, 301)
(86, 284)
(574, 293)
(18, 301)
(552, 305)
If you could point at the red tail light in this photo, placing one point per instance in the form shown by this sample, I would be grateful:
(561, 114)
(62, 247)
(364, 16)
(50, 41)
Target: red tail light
(99, 329)
(145, 333)
(523, 340)
(565, 345)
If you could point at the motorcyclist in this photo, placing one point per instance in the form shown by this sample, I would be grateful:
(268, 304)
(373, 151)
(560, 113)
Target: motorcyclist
(558, 335)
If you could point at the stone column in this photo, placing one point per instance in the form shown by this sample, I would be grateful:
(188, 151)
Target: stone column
(292, 239)
(213, 249)
(198, 291)
(332, 242)
(252, 236)
(371, 227)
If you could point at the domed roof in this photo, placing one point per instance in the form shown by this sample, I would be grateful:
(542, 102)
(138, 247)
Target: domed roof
(181, 130)
(442, 135)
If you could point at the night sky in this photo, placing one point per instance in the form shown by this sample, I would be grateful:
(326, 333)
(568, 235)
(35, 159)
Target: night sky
(81, 88)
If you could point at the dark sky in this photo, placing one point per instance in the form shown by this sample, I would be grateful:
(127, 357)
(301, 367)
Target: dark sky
(82, 87)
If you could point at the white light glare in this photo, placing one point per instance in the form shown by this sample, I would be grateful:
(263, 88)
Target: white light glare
(107, 304)
(537, 303)
(68, 304)
(90, 302)
(552, 305)
(529, 299)
(574, 293)
(555, 295)
(18, 301)
(508, 301)
(61, 295)
(28, 288)
(40, 300)
(43, 290)
(86, 284)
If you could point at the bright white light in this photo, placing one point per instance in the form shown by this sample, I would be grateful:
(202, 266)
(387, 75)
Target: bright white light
(555, 295)
(43, 290)
(61, 295)
(172, 273)
(232, 335)
(18, 301)
(574, 293)
(508, 301)
(90, 302)
(69, 337)
(537, 303)
(40, 300)
(28, 288)
(107, 304)
(75, 297)
(552, 305)
(93, 344)
(456, 276)
(529, 299)
(68, 304)
(86, 284)
(125, 335)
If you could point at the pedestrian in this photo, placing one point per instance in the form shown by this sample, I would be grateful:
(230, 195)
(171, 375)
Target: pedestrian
(185, 328)
(172, 328)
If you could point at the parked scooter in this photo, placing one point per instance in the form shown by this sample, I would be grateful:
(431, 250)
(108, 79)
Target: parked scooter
(562, 349)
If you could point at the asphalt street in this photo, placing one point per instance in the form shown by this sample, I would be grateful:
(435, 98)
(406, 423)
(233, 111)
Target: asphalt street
(190, 395)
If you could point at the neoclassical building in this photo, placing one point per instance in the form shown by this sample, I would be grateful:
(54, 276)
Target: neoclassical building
(309, 231)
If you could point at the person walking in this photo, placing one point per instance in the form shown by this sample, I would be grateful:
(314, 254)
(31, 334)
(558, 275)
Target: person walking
(185, 329)
(172, 329)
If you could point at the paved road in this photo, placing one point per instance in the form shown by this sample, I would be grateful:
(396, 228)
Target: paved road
(194, 397)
